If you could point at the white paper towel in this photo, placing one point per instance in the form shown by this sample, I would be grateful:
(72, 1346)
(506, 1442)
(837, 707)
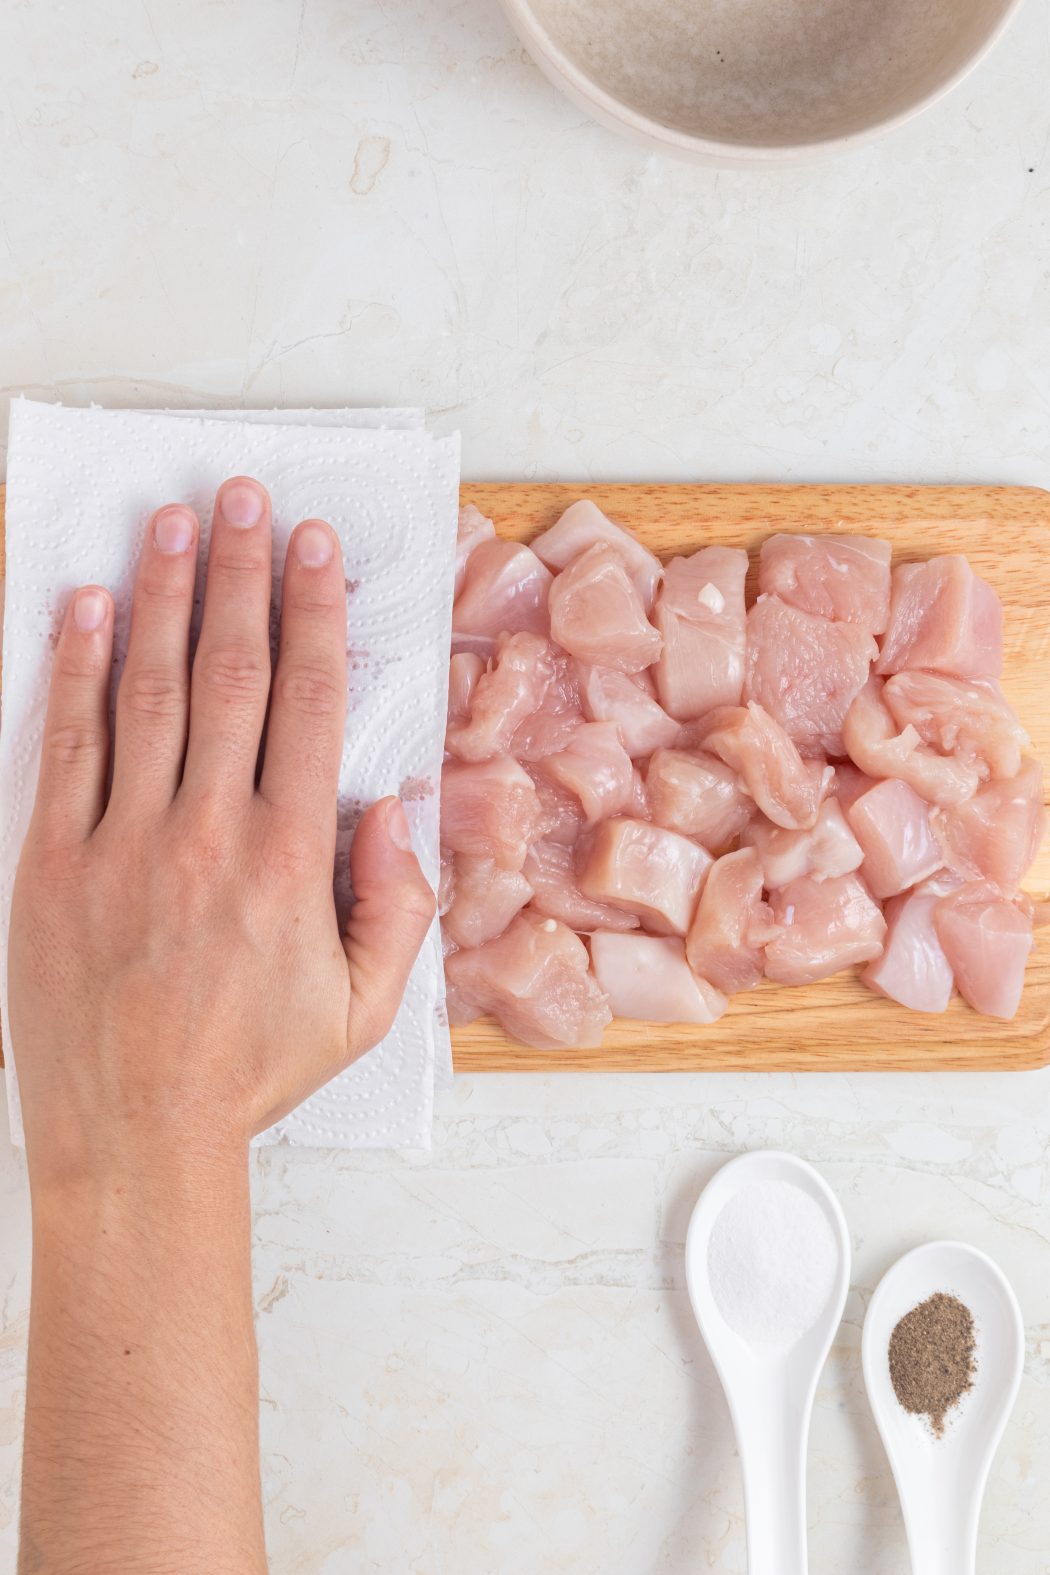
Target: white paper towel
(81, 487)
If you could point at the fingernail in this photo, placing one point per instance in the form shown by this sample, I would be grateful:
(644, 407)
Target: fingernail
(397, 827)
(89, 610)
(172, 530)
(242, 504)
(313, 545)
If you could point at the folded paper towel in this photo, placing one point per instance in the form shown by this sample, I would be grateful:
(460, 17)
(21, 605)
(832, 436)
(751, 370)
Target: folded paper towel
(81, 487)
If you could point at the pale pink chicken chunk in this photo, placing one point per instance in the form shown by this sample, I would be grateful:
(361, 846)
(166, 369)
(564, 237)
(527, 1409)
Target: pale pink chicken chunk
(504, 591)
(892, 825)
(732, 925)
(805, 671)
(561, 813)
(986, 939)
(996, 834)
(646, 977)
(787, 789)
(824, 850)
(503, 697)
(484, 900)
(850, 782)
(943, 617)
(697, 794)
(874, 743)
(609, 696)
(846, 578)
(825, 926)
(596, 613)
(550, 869)
(595, 766)
(464, 670)
(489, 810)
(957, 716)
(913, 969)
(473, 529)
(583, 525)
(700, 615)
(536, 981)
(645, 870)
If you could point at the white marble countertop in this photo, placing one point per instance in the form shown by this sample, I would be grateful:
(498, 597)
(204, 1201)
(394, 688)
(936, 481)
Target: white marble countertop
(484, 1362)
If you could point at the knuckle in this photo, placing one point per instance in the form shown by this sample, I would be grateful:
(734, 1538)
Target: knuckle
(234, 673)
(163, 583)
(237, 564)
(153, 693)
(75, 743)
(310, 689)
(418, 903)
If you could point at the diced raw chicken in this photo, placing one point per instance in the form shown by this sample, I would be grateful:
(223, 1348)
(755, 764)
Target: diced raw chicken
(700, 615)
(485, 899)
(596, 767)
(504, 592)
(943, 617)
(536, 981)
(473, 529)
(489, 810)
(446, 882)
(732, 925)
(826, 849)
(697, 795)
(986, 939)
(550, 869)
(583, 525)
(913, 968)
(464, 670)
(561, 813)
(958, 716)
(646, 870)
(596, 613)
(825, 926)
(850, 782)
(638, 800)
(842, 577)
(502, 698)
(461, 1011)
(609, 696)
(996, 834)
(805, 671)
(875, 745)
(892, 825)
(786, 788)
(646, 977)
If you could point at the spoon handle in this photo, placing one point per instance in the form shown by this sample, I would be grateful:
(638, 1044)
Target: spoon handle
(773, 1457)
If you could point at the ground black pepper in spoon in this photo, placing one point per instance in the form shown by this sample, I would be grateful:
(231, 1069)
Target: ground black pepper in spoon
(932, 1358)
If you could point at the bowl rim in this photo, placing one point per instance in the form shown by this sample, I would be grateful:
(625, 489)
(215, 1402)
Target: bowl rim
(567, 74)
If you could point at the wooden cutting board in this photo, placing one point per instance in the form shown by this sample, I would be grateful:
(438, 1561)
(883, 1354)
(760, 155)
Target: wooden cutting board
(836, 1025)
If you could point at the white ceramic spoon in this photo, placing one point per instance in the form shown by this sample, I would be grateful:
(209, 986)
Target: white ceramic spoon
(770, 1390)
(941, 1481)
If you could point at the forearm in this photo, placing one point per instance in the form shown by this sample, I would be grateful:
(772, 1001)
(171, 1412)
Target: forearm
(141, 1447)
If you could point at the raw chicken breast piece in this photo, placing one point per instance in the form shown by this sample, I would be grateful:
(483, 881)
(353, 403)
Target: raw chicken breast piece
(489, 810)
(892, 825)
(698, 795)
(958, 716)
(943, 617)
(850, 782)
(536, 981)
(446, 882)
(464, 670)
(787, 789)
(732, 925)
(503, 697)
(846, 578)
(472, 530)
(485, 899)
(561, 813)
(700, 615)
(996, 835)
(825, 926)
(461, 1011)
(550, 869)
(609, 696)
(986, 939)
(596, 767)
(597, 614)
(504, 592)
(805, 671)
(874, 744)
(647, 978)
(824, 850)
(913, 969)
(645, 870)
(583, 525)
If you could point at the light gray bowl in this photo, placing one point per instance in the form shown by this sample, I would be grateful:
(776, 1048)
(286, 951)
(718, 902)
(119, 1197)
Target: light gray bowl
(757, 81)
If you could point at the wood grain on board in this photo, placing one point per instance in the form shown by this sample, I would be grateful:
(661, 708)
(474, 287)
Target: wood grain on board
(836, 1025)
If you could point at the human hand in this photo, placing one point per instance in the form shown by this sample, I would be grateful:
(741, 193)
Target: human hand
(177, 976)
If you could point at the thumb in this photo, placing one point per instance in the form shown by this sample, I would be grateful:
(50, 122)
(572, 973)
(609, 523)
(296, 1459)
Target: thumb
(392, 913)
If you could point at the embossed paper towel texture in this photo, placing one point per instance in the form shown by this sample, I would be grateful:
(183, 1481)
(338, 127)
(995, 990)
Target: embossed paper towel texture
(81, 486)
